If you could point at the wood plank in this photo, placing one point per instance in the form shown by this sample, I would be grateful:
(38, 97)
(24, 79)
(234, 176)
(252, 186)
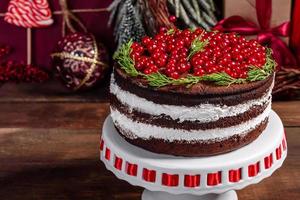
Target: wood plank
(52, 91)
(63, 164)
(289, 112)
(52, 115)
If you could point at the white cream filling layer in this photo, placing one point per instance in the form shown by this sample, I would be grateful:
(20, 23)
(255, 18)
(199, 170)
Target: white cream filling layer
(202, 113)
(148, 131)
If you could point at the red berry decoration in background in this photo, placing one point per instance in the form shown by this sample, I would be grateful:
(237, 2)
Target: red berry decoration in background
(171, 53)
(80, 61)
(17, 71)
(172, 18)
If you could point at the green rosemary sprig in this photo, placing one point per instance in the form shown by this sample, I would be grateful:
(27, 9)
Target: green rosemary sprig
(222, 78)
(158, 79)
(257, 74)
(197, 46)
(122, 56)
(170, 31)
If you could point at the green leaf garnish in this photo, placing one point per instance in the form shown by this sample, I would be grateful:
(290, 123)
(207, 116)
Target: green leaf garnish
(197, 46)
(122, 57)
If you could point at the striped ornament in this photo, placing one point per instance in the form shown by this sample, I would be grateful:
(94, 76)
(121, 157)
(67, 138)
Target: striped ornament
(29, 13)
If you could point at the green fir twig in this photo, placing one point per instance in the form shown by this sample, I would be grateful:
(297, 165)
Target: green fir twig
(122, 57)
(197, 46)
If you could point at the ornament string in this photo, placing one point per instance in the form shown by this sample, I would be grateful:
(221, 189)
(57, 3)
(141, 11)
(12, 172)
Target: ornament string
(68, 16)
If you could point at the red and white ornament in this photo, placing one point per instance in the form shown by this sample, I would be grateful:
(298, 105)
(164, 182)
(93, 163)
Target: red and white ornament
(29, 13)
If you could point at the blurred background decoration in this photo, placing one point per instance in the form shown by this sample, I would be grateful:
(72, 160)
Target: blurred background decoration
(30, 44)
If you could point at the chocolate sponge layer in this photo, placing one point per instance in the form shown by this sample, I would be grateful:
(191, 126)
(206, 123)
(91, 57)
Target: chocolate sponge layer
(168, 122)
(207, 148)
(197, 94)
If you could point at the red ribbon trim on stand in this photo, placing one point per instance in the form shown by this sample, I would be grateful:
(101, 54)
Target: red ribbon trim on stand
(268, 161)
(191, 180)
(118, 163)
(107, 154)
(149, 175)
(278, 153)
(253, 170)
(235, 175)
(131, 169)
(265, 34)
(101, 145)
(214, 178)
(170, 180)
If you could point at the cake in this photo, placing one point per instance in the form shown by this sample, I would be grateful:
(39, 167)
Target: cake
(191, 93)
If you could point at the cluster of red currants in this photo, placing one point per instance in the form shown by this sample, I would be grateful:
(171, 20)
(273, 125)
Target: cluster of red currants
(168, 53)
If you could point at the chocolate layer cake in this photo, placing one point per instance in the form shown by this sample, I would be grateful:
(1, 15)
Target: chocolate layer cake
(201, 119)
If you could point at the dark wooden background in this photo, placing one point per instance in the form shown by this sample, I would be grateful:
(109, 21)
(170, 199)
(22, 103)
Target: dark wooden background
(49, 142)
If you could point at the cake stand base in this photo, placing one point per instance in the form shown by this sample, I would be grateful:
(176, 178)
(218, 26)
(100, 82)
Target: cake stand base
(167, 177)
(149, 195)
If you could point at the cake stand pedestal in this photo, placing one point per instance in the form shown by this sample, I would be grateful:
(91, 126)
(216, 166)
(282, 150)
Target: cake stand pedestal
(166, 177)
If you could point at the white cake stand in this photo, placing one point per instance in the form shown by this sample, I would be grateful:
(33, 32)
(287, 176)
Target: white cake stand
(166, 177)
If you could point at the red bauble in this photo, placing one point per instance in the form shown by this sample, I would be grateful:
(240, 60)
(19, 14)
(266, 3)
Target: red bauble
(80, 62)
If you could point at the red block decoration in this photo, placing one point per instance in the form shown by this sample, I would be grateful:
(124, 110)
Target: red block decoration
(107, 154)
(253, 170)
(278, 152)
(118, 163)
(268, 161)
(214, 178)
(284, 144)
(170, 179)
(235, 175)
(101, 145)
(131, 169)
(191, 180)
(149, 175)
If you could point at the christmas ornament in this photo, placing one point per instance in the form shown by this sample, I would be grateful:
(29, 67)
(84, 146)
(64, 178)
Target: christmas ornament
(80, 61)
(127, 21)
(29, 13)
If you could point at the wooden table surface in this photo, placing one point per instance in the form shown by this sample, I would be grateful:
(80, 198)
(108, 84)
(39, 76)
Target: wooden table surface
(49, 148)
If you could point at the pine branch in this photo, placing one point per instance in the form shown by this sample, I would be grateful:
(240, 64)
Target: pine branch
(122, 56)
(197, 46)
(222, 78)
(257, 74)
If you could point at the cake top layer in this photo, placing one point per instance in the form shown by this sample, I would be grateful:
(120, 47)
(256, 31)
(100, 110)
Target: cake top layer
(185, 58)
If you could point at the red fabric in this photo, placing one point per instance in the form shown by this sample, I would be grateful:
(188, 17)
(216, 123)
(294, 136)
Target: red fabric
(101, 145)
(131, 169)
(214, 178)
(268, 161)
(265, 34)
(118, 163)
(149, 175)
(45, 39)
(253, 170)
(107, 154)
(170, 180)
(235, 175)
(191, 180)
(295, 33)
(278, 153)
